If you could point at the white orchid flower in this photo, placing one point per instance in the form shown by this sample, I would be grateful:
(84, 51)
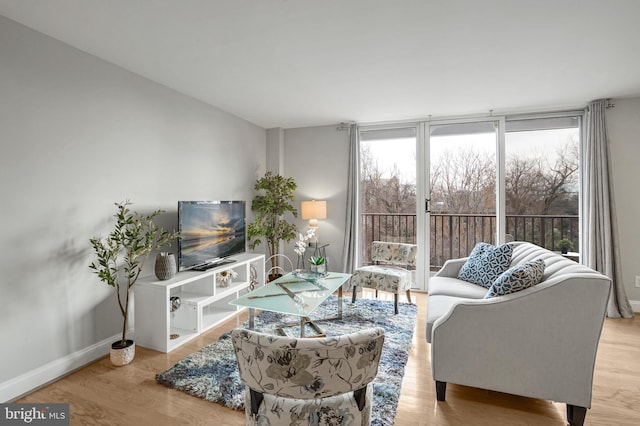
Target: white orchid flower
(301, 243)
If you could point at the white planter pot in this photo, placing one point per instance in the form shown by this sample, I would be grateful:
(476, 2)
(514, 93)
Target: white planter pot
(122, 356)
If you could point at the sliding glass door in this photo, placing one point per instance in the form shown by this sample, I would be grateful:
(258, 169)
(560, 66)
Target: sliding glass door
(462, 181)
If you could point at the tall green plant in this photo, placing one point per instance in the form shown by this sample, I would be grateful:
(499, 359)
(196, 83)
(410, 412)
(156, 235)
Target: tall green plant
(274, 201)
(122, 253)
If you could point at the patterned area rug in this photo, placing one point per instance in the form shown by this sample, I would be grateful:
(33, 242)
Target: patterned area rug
(212, 373)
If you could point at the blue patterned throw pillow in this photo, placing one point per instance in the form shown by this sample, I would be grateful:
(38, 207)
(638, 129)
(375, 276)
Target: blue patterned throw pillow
(517, 278)
(486, 263)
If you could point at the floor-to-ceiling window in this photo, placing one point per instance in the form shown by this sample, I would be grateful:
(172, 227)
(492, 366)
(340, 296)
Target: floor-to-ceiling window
(542, 157)
(449, 184)
(387, 187)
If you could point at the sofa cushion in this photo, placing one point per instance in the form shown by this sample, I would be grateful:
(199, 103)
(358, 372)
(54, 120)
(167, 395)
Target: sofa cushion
(448, 286)
(486, 263)
(517, 278)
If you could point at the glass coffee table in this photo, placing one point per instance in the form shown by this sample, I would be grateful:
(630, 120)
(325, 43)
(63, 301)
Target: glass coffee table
(295, 294)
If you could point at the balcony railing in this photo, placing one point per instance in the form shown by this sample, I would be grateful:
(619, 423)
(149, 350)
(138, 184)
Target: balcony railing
(455, 235)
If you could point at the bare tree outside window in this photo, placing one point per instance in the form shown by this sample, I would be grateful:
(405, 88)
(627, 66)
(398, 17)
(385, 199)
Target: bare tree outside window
(384, 189)
(387, 194)
(464, 179)
(542, 191)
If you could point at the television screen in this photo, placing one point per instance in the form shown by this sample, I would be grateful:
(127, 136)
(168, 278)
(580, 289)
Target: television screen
(209, 232)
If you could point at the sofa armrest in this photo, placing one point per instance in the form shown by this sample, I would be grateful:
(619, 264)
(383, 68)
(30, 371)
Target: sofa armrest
(451, 267)
(539, 343)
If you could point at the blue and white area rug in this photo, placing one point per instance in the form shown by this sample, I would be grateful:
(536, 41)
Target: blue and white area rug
(212, 373)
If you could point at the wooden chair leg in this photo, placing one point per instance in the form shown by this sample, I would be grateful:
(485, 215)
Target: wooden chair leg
(409, 295)
(256, 400)
(355, 291)
(360, 396)
(395, 303)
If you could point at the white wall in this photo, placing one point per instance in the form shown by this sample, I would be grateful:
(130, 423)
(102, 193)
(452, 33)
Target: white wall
(623, 123)
(77, 135)
(275, 151)
(317, 158)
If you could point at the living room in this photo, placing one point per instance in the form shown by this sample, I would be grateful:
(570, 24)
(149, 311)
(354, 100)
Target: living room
(81, 132)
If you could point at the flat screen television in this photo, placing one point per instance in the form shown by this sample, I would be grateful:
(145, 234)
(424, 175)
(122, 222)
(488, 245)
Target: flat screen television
(210, 232)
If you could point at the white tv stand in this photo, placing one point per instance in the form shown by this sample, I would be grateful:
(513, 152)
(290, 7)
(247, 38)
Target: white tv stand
(203, 303)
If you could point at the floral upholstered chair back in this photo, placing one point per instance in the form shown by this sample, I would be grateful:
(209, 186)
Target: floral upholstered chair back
(394, 253)
(292, 380)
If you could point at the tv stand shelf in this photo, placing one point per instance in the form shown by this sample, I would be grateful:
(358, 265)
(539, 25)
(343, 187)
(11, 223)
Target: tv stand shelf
(213, 265)
(203, 303)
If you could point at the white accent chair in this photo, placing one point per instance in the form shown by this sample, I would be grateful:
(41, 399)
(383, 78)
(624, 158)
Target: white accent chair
(280, 269)
(293, 381)
(389, 271)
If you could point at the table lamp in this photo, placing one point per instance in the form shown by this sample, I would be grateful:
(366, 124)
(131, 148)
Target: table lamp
(312, 211)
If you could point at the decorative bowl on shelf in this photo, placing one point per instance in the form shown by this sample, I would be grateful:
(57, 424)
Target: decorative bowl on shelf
(174, 303)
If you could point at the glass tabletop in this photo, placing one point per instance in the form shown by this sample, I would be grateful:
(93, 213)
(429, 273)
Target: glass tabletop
(293, 294)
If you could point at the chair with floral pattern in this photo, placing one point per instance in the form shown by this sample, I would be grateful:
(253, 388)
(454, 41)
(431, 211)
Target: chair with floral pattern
(315, 381)
(389, 271)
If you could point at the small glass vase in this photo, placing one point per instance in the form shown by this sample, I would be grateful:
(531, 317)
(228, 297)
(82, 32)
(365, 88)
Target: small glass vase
(320, 269)
(300, 264)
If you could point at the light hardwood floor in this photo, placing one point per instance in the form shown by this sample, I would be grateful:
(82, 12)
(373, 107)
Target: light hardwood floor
(100, 394)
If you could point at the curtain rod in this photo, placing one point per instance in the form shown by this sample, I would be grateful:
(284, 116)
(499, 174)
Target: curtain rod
(490, 114)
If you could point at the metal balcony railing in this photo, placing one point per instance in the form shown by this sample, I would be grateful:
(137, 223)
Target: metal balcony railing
(455, 235)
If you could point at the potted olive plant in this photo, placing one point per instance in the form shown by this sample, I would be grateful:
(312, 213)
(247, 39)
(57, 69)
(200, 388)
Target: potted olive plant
(273, 202)
(121, 256)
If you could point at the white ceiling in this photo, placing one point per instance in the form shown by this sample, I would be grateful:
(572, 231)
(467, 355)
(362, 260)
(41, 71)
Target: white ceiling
(296, 63)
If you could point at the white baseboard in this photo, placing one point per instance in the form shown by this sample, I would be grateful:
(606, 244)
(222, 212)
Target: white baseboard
(14, 388)
(635, 305)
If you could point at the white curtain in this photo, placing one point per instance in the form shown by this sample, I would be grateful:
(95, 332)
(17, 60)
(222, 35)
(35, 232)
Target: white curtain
(350, 247)
(599, 228)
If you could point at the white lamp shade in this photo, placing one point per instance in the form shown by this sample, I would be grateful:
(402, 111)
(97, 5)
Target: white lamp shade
(314, 210)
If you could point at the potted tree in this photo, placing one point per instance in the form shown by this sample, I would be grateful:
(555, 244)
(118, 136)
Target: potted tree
(121, 256)
(273, 202)
(565, 245)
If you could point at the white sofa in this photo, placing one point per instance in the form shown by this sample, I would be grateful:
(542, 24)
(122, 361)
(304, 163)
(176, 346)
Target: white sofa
(540, 342)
